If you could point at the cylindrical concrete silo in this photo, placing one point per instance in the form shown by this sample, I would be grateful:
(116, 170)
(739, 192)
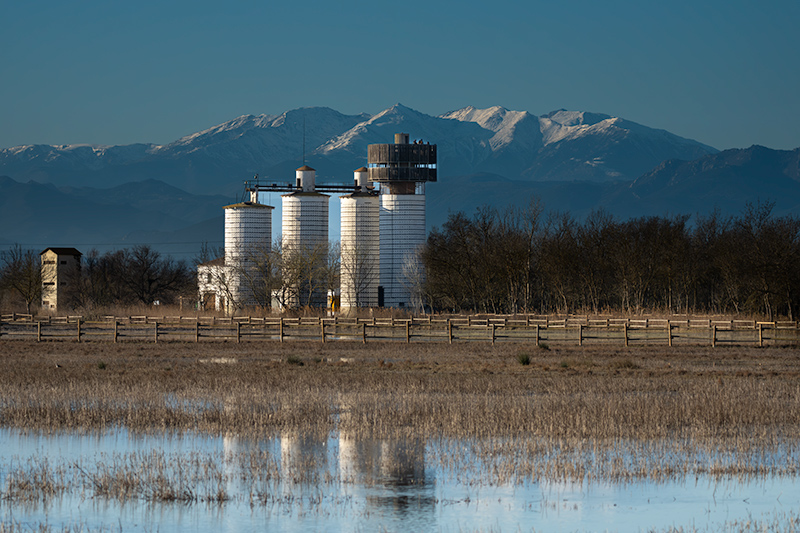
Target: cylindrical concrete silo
(360, 246)
(402, 233)
(402, 169)
(305, 240)
(248, 232)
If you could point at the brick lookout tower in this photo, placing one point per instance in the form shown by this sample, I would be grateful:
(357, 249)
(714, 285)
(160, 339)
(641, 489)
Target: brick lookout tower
(402, 169)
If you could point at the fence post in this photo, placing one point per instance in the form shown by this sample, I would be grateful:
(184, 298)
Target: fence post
(713, 335)
(79, 330)
(155, 333)
(580, 334)
(760, 335)
(322, 329)
(450, 331)
(238, 332)
(364, 332)
(625, 331)
(669, 333)
(408, 331)
(115, 330)
(536, 333)
(493, 334)
(39, 331)
(280, 330)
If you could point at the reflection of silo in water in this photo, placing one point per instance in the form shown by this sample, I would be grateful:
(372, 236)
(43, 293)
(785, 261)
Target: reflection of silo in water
(305, 238)
(403, 461)
(348, 458)
(230, 448)
(302, 456)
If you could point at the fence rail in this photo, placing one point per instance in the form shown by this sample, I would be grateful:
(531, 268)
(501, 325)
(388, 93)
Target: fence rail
(529, 329)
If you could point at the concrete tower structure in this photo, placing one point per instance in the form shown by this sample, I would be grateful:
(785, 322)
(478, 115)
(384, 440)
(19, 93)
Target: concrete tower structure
(248, 234)
(60, 269)
(305, 240)
(402, 169)
(360, 245)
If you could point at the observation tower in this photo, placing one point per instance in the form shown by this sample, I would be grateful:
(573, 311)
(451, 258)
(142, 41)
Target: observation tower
(402, 169)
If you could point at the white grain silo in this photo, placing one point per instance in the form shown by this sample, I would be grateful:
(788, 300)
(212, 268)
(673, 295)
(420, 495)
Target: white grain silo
(402, 234)
(402, 169)
(360, 245)
(248, 231)
(305, 241)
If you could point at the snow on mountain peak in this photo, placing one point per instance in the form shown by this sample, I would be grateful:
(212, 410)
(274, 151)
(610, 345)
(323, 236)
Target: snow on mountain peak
(497, 119)
(562, 124)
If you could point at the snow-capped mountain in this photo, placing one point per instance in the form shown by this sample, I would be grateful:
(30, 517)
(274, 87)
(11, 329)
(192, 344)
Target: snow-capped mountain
(206, 161)
(560, 146)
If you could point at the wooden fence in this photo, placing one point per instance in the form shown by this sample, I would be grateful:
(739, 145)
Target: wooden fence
(490, 329)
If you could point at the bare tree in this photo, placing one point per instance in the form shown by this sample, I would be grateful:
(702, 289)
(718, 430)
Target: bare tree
(22, 274)
(360, 275)
(413, 281)
(306, 275)
(151, 278)
(260, 275)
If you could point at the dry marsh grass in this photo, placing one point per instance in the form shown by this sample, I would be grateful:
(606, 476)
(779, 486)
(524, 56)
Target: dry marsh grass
(573, 414)
(386, 390)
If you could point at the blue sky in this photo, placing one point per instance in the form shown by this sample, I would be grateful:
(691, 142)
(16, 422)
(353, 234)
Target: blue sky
(723, 73)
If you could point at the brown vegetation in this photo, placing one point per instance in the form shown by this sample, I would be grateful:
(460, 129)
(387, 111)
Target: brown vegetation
(462, 391)
(505, 414)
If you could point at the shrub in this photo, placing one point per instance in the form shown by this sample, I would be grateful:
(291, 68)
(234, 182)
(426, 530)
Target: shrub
(625, 363)
(524, 358)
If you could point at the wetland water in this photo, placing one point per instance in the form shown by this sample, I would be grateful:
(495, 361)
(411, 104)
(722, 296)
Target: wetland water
(152, 482)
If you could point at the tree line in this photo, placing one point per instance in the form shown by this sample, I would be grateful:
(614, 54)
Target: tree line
(497, 261)
(115, 278)
(519, 260)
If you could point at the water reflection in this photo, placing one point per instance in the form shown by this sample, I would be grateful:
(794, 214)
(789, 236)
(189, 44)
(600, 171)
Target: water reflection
(344, 482)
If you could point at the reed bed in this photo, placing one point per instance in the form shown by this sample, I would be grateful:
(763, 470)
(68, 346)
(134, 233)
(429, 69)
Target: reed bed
(474, 412)
(459, 391)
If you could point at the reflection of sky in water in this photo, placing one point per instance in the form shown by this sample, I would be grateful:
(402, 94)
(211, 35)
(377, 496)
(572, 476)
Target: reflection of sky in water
(369, 484)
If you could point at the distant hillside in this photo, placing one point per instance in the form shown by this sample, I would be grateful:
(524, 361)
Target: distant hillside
(39, 215)
(727, 181)
(176, 222)
(571, 160)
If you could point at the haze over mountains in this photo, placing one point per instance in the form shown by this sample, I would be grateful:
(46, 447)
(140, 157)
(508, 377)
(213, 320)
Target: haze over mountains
(574, 161)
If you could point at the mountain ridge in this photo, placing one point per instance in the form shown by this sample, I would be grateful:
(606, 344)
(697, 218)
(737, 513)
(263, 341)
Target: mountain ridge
(516, 144)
